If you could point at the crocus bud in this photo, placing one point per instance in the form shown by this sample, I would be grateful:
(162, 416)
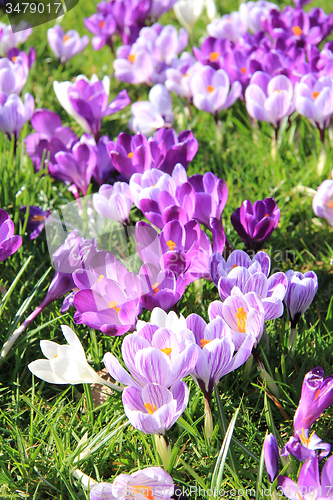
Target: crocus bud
(300, 293)
(271, 456)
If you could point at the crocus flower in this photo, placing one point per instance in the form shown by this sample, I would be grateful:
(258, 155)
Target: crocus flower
(255, 224)
(271, 456)
(159, 7)
(13, 75)
(114, 202)
(50, 138)
(29, 58)
(10, 39)
(212, 92)
(103, 27)
(108, 296)
(314, 100)
(188, 12)
(87, 101)
(168, 150)
(104, 170)
(211, 194)
(219, 267)
(151, 482)
(14, 113)
(9, 243)
(308, 481)
(322, 203)
(130, 154)
(254, 14)
(148, 116)
(303, 446)
(65, 45)
(178, 77)
(269, 99)
(153, 409)
(36, 220)
(66, 364)
(300, 293)
(230, 26)
(316, 396)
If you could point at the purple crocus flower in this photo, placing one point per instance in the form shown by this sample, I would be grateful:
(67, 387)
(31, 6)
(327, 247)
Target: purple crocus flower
(300, 293)
(254, 14)
(13, 75)
(114, 202)
(148, 116)
(212, 92)
(65, 45)
(36, 220)
(130, 154)
(104, 170)
(322, 203)
(168, 150)
(87, 101)
(302, 446)
(151, 482)
(314, 100)
(10, 39)
(133, 64)
(211, 194)
(178, 76)
(76, 167)
(230, 26)
(255, 224)
(29, 58)
(14, 113)
(219, 267)
(271, 456)
(217, 355)
(154, 355)
(316, 396)
(153, 409)
(103, 27)
(108, 296)
(308, 481)
(9, 243)
(50, 138)
(269, 99)
(212, 51)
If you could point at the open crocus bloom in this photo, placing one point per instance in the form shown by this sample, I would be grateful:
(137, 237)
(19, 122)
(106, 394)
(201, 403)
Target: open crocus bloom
(150, 483)
(9, 243)
(303, 446)
(66, 364)
(65, 45)
(322, 203)
(154, 408)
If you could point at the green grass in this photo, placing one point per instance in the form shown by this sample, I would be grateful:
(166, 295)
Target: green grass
(41, 425)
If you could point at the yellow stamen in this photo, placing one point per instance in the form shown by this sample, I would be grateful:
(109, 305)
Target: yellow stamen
(297, 30)
(214, 56)
(241, 316)
(210, 88)
(113, 305)
(243, 70)
(56, 356)
(100, 277)
(130, 155)
(65, 38)
(204, 342)
(315, 94)
(151, 409)
(154, 287)
(171, 244)
(305, 441)
(167, 350)
(131, 58)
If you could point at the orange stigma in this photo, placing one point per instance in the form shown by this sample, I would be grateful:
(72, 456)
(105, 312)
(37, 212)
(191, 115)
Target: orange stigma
(130, 155)
(315, 94)
(167, 350)
(297, 30)
(150, 409)
(330, 204)
(14, 59)
(214, 56)
(204, 342)
(154, 287)
(243, 70)
(37, 218)
(131, 58)
(171, 244)
(241, 316)
(102, 24)
(113, 305)
(65, 38)
(210, 88)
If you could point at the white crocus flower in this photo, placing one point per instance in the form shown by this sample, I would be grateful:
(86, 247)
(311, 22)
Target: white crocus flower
(188, 12)
(161, 319)
(66, 364)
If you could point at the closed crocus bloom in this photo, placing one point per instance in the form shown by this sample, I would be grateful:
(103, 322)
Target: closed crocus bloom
(269, 99)
(130, 154)
(148, 116)
(103, 27)
(316, 396)
(271, 456)
(188, 12)
(322, 202)
(14, 113)
(230, 26)
(152, 482)
(13, 75)
(65, 45)
(66, 364)
(169, 150)
(114, 202)
(255, 224)
(300, 293)
(153, 409)
(212, 92)
(9, 243)
(211, 194)
(314, 100)
(87, 101)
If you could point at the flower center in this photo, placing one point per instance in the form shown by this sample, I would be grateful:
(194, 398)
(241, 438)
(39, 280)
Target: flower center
(167, 350)
(266, 215)
(38, 217)
(304, 440)
(113, 305)
(204, 342)
(131, 58)
(185, 75)
(243, 70)
(241, 316)
(102, 24)
(150, 409)
(154, 287)
(315, 94)
(330, 204)
(143, 490)
(297, 30)
(235, 265)
(131, 154)
(14, 59)
(100, 277)
(171, 244)
(65, 38)
(210, 88)
(214, 56)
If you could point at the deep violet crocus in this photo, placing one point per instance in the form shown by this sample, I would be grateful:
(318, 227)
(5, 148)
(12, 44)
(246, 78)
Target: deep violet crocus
(36, 220)
(271, 456)
(74, 253)
(255, 224)
(151, 482)
(87, 101)
(9, 243)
